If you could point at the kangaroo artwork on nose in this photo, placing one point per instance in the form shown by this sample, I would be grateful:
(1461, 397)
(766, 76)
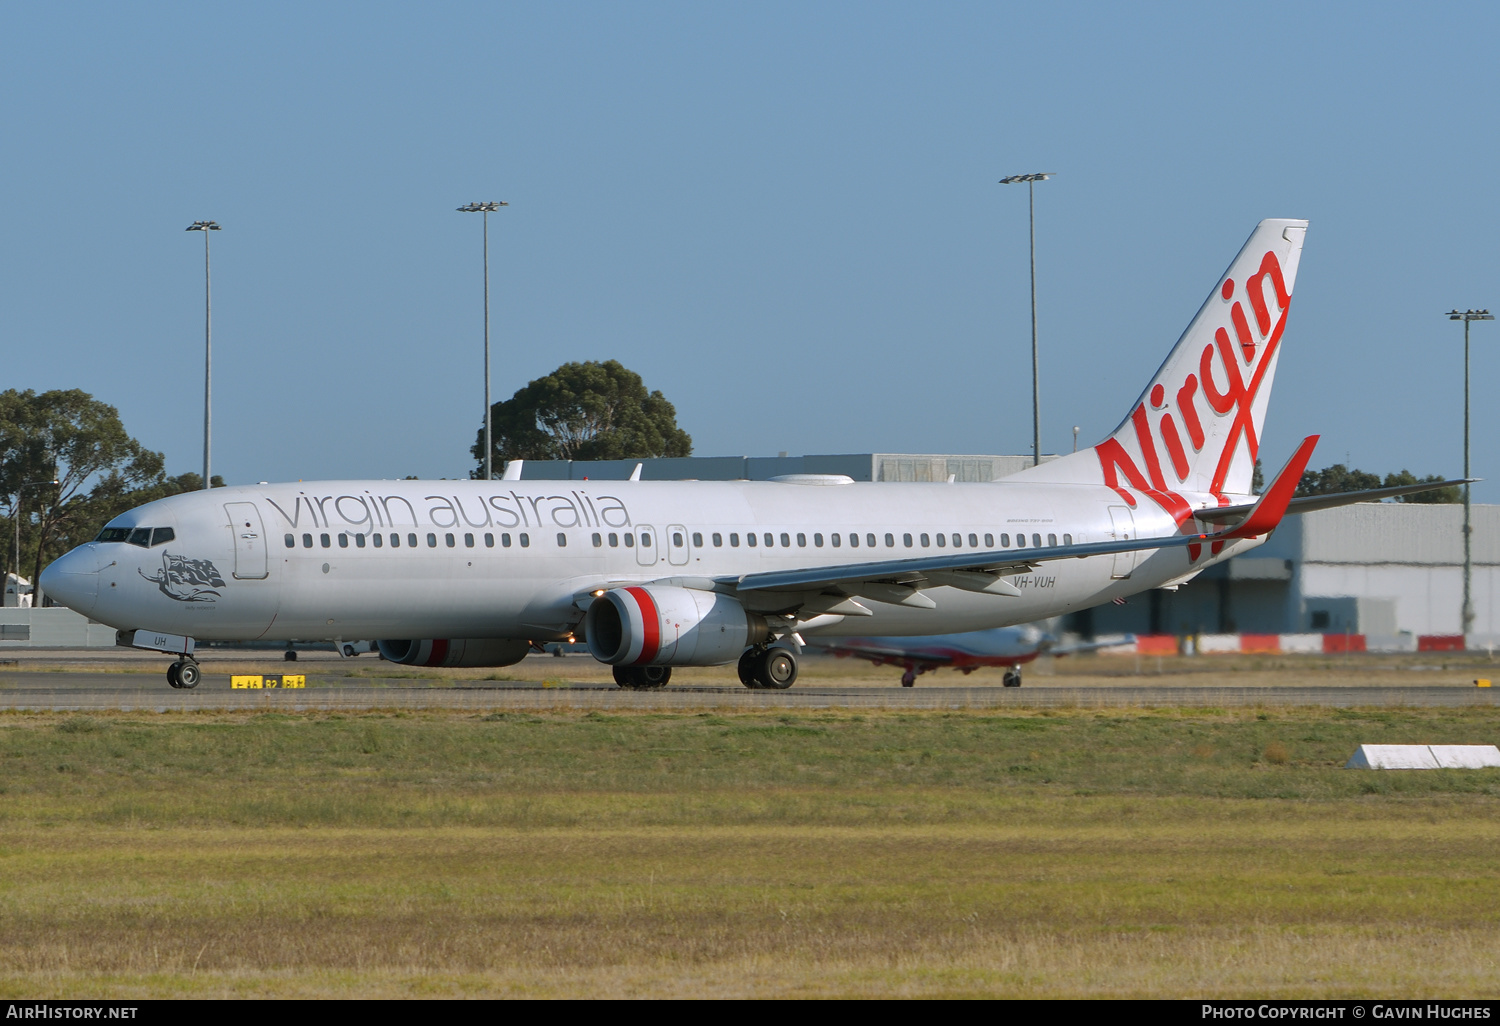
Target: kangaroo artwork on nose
(186, 580)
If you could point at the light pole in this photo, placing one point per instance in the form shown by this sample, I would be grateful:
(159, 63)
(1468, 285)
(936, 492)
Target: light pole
(208, 346)
(1036, 389)
(1467, 616)
(16, 571)
(486, 209)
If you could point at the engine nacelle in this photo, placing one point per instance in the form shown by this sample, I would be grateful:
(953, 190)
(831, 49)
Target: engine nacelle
(661, 626)
(455, 652)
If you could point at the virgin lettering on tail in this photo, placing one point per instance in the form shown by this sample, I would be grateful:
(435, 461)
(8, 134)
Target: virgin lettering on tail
(1195, 431)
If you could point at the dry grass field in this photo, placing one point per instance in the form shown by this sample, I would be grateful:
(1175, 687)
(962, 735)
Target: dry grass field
(1164, 853)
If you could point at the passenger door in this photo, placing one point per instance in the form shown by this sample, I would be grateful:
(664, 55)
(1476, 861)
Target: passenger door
(1123, 528)
(249, 541)
(645, 544)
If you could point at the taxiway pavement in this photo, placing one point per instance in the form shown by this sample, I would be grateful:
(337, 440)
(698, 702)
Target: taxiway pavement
(29, 690)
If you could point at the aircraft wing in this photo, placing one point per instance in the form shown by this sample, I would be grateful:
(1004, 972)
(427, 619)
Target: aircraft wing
(940, 569)
(1090, 646)
(900, 581)
(882, 653)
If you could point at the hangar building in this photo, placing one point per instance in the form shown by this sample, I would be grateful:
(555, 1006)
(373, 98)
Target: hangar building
(877, 466)
(1391, 571)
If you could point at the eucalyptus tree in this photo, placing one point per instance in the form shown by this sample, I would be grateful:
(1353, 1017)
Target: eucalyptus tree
(584, 411)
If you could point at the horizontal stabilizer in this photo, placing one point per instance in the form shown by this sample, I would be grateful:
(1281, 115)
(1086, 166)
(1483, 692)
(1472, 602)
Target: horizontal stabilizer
(1076, 647)
(1313, 503)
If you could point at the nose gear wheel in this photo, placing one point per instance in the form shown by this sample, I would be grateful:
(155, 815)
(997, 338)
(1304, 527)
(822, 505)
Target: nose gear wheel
(184, 674)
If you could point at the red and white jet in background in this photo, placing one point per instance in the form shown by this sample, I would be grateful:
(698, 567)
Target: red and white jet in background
(658, 574)
(1009, 647)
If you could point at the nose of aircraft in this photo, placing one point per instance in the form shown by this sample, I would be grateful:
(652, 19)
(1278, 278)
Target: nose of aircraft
(73, 579)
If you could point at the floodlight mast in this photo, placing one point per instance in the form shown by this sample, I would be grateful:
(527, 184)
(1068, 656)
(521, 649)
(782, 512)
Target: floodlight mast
(1467, 615)
(486, 209)
(1036, 388)
(208, 347)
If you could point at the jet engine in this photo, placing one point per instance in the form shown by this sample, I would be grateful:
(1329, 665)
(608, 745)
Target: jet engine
(663, 626)
(455, 652)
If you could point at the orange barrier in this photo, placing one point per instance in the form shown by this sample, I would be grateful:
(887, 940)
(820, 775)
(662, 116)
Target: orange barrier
(1156, 644)
(1440, 643)
(1262, 643)
(1343, 643)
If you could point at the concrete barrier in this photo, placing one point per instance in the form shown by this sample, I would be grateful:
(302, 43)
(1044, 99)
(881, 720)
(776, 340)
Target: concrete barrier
(1424, 757)
(1306, 643)
(1156, 644)
(1280, 644)
(1440, 643)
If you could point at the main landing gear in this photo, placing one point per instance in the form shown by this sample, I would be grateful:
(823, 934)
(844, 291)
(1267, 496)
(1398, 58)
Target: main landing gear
(770, 669)
(1013, 677)
(642, 678)
(184, 674)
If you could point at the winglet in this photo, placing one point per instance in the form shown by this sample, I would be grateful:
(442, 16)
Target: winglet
(1268, 511)
(513, 470)
(635, 475)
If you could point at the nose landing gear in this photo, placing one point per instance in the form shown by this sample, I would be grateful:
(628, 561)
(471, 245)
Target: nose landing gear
(184, 674)
(1013, 677)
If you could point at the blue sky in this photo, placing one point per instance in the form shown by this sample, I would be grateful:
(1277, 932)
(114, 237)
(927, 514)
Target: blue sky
(785, 217)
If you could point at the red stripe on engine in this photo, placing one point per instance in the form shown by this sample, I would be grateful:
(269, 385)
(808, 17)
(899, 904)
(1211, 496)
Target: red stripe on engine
(439, 653)
(650, 625)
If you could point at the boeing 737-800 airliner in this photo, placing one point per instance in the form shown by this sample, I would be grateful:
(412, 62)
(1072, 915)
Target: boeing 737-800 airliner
(654, 575)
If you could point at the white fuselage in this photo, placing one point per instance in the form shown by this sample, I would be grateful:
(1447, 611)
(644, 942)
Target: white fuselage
(520, 559)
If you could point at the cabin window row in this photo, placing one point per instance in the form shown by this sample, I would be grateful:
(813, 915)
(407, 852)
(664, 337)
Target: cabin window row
(870, 540)
(412, 540)
(767, 539)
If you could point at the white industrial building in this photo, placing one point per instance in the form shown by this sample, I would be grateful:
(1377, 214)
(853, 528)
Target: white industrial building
(864, 466)
(1391, 571)
(54, 627)
(17, 591)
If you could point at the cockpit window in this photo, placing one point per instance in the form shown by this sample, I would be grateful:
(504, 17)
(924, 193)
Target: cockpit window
(145, 537)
